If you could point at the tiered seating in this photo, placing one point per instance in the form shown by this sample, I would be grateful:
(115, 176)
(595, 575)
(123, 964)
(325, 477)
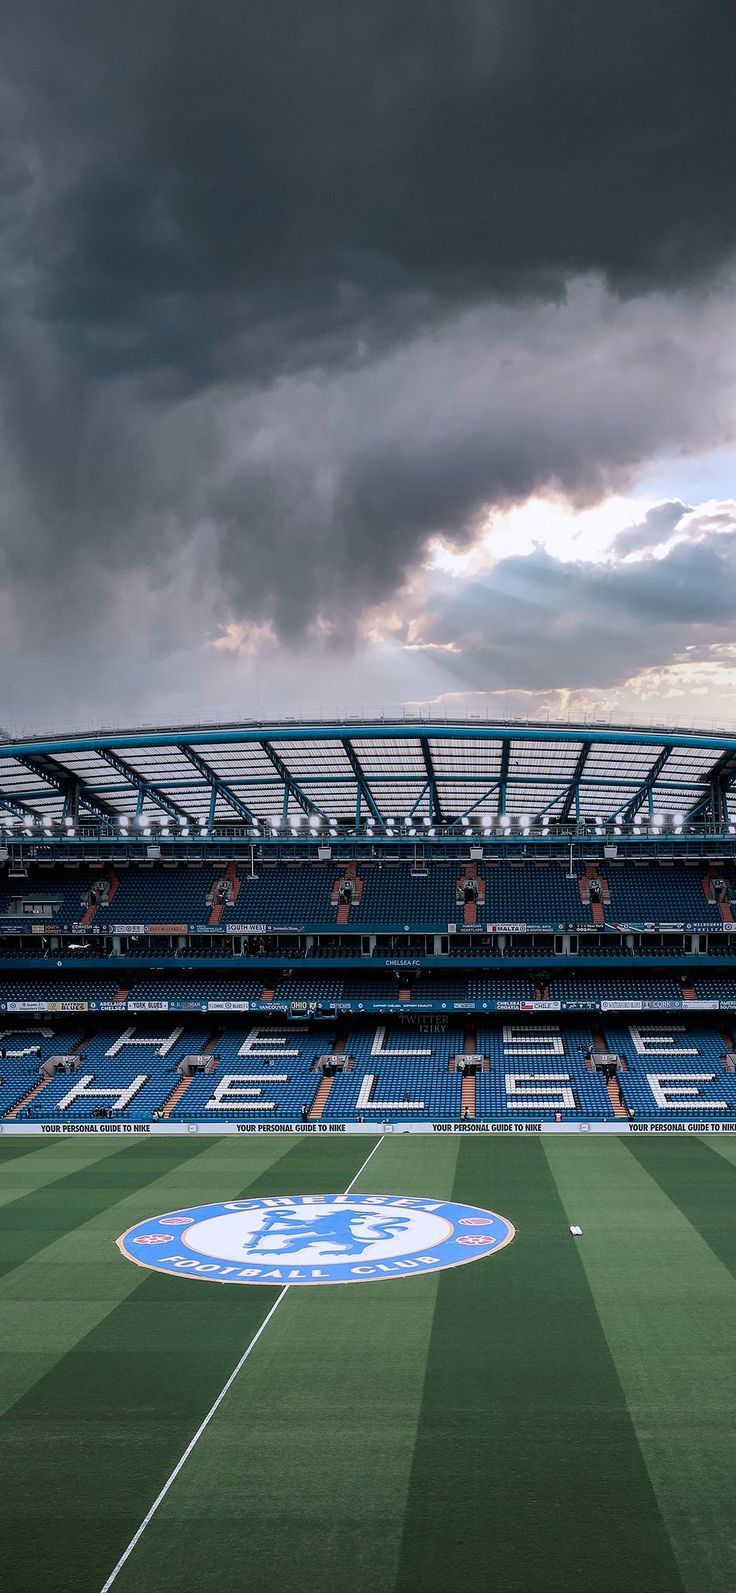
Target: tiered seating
(66, 888)
(542, 1048)
(607, 986)
(393, 895)
(319, 988)
(530, 893)
(19, 1068)
(715, 987)
(654, 1048)
(500, 987)
(197, 987)
(287, 893)
(286, 1079)
(53, 987)
(301, 894)
(119, 1071)
(655, 893)
(420, 1074)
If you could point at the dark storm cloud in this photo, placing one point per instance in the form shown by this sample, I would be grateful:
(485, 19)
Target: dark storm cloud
(223, 188)
(518, 624)
(655, 528)
(286, 289)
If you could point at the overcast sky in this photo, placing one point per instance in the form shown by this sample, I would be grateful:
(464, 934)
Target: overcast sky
(355, 356)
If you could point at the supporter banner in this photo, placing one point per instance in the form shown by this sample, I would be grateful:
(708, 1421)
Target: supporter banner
(388, 1008)
(106, 926)
(528, 1006)
(661, 1006)
(47, 1006)
(229, 1006)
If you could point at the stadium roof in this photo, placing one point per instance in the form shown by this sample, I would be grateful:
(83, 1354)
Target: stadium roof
(362, 773)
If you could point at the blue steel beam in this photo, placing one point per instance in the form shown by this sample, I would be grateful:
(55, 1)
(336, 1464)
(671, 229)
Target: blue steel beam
(504, 775)
(644, 793)
(400, 730)
(21, 810)
(573, 794)
(361, 781)
(291, 786)
(67, 784)
(528, 781)
(144, 787)
(217, 786)
(435, 810)
(721, 779)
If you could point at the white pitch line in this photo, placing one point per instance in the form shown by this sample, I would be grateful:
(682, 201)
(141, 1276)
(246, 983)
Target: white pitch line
(214, 1408)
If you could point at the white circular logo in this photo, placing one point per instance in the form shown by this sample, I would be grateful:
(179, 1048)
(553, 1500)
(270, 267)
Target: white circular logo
(316, 1239)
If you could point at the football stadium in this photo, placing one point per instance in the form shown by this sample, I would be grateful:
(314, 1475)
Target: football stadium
(446, 1008)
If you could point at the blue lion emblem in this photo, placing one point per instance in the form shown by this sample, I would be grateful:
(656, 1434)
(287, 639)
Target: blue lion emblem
(292, 1231)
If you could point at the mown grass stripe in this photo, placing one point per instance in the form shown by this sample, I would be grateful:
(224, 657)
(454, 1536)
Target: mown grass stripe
(112, 1169)
(300, 1483)
(51, 1161)
(527, 1476)
(667, 1306)
(17, 1145)
(97, 1435)
(725, 1145)
(700, 1182)
(60, 1293)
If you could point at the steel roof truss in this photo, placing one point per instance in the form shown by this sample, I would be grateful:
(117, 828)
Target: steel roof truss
(146, 791)
(218, 787)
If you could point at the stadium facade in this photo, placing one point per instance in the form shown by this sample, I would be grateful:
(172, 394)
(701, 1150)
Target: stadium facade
(435, 925)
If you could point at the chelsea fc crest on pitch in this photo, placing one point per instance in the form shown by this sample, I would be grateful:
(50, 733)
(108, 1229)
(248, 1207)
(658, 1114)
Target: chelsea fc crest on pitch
(315, 1239)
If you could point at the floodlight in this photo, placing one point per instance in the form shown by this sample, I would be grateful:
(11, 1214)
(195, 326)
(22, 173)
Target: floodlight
(505, 821)
(525, 821)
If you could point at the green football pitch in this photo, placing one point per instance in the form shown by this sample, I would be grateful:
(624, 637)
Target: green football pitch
(559, 1416)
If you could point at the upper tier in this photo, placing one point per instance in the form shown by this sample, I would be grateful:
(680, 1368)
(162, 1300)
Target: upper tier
(366, 896)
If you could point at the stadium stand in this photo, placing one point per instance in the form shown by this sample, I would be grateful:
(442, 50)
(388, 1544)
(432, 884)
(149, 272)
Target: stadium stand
(390, 945)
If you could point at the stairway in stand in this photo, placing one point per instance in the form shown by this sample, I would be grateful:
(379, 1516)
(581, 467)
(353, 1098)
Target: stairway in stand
(618, 1109)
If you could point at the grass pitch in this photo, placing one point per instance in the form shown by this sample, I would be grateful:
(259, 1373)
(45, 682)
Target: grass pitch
(561, 1416)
